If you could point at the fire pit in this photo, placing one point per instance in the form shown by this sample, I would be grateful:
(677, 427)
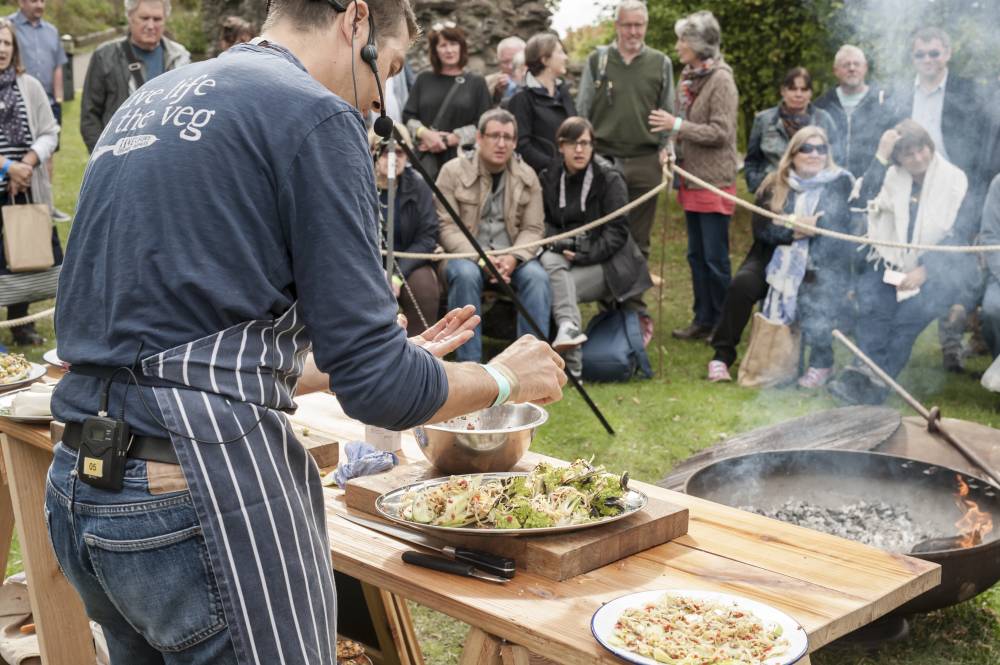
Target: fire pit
(909, 507)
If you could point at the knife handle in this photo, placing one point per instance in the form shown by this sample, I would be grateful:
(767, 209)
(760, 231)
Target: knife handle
(438, 563)
(491, 563)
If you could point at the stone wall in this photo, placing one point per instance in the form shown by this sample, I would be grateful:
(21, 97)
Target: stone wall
(485, 21)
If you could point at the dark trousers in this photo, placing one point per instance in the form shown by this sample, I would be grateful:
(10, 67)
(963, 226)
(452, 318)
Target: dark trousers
(748, 287)
(708, 256)
(423, 283)
(886, 329)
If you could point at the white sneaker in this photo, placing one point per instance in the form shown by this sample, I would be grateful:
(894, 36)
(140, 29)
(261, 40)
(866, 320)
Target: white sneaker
(59, 216)
(568, 337)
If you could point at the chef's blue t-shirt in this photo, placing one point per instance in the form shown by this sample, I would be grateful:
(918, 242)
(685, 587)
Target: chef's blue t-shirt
(219, 193)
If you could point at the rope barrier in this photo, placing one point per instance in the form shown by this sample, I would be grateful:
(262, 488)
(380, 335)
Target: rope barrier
(31, 318)
(668, 170)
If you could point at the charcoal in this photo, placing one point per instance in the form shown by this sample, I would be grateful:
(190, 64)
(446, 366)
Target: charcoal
(876, 523)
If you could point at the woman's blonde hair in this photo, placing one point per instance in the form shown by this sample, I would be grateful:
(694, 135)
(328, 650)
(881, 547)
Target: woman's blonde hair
(777, 181)
(15, 58)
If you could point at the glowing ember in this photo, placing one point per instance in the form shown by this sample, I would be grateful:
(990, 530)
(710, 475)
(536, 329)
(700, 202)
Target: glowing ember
(974, 524)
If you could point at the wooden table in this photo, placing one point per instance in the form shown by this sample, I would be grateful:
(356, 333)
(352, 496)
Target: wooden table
(829, 585)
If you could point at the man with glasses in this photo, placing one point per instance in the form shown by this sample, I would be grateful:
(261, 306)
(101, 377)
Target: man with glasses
(499, 199)
(951, 109)
(620, 85)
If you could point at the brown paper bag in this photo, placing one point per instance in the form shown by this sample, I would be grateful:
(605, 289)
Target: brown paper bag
(772, 357)
(27, 237)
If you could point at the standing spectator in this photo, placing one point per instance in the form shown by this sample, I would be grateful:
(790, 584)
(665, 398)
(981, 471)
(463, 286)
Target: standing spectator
(989, 234)
(415, 229)
(913, 195)
(774, 127)
(235, 30)
(951, 109)
(445, 104)
(861, 111)
(43, 58)
(504, 83)
(544, 102)
(603, 264)
(620, 85)
(499, 199)
(28, 135)
(705, 133)
(112, 74)
(809, 184)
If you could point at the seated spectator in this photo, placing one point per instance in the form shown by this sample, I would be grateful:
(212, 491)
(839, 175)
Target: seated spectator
(603, 264)
(774, 127)
(28, 136)
(544, 102)
(504, 83)
(444, 105)
(861, 110)
(800, 274)
(415, 229)
(989, 234)
(499, 199)
(235, 30)
(919, 198)
(111, 79)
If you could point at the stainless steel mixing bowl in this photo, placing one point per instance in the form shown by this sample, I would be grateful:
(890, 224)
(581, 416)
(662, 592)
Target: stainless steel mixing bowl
(499, 437)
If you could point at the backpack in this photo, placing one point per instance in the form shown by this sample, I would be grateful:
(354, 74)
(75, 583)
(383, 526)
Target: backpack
(614, 350)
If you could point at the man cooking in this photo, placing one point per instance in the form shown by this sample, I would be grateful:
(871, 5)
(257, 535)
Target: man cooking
(225, 226)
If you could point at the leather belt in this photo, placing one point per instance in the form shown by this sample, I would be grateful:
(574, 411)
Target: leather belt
(150, 448)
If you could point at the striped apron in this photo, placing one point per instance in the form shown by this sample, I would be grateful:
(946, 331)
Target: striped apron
(259, 496)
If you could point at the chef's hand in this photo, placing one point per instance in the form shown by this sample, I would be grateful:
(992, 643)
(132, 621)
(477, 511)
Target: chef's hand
(660, 121)
(18, 177)
(537, 370)
(914, 279)
(451, 332)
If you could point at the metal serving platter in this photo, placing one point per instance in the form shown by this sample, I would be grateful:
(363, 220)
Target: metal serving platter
(6, 407)
(390, 506)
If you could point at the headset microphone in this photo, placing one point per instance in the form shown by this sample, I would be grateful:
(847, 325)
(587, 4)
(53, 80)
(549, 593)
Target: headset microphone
(383, 124)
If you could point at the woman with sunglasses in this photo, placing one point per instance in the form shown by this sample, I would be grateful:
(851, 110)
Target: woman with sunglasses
(774, 127)
(415, 229)
(803, 276)
(445, 103)
(544, 102)
(704, 132)
(605, 263)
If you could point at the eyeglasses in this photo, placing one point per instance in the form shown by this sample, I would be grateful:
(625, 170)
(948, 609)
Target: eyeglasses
(809, 148)
(441, 25)
(500, 137)
(933, 54)
(579, 144)
(632, 26)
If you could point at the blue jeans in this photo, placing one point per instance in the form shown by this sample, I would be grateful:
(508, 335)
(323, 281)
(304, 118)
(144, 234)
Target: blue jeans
(991, 316)
(530, 281)
(708, 256)
(140, 564)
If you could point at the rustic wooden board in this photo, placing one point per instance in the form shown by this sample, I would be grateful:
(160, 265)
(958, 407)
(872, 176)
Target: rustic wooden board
(557, 557)
(848, 428)
(914, 441)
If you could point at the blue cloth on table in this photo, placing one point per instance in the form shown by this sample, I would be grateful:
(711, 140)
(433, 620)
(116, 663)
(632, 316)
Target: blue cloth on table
(363, 459)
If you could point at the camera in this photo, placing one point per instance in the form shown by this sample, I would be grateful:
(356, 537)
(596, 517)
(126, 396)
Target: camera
(560, 246)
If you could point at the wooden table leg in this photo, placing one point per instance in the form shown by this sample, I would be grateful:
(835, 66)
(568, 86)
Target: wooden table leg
(6, 518)
(481, 648)
(393, 627)
(64, 635)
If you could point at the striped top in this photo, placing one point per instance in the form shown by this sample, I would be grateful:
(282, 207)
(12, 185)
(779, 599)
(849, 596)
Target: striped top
(15, 152)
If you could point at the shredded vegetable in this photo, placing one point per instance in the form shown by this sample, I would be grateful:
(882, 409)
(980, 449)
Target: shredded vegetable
(547, 496)
(679, 630)
(13, 367)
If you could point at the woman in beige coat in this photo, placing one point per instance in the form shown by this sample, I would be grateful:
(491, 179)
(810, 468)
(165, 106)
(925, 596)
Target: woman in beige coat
(704, 133)
(28, 137)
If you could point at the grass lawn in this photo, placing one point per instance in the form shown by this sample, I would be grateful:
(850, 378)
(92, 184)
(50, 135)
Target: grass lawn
(661, 421)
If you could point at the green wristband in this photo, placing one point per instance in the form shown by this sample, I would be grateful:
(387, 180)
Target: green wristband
(503, 385)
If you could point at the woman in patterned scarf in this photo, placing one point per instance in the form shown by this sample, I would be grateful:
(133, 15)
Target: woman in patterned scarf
(28, 136)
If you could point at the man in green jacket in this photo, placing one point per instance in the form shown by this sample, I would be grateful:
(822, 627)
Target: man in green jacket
(117, 68)
(620, 85)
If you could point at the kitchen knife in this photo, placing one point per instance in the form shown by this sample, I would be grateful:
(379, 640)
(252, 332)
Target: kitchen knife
(449, 566)
(495, 565)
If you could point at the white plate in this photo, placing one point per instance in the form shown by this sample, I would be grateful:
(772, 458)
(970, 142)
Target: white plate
(36, 372)
(7, 399)
(52, 358)
(603, 623)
